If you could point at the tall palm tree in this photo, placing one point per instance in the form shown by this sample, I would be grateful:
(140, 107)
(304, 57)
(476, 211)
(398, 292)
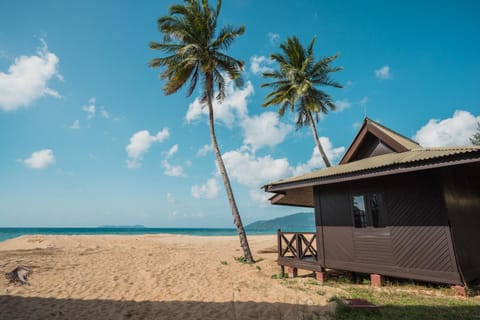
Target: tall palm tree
(195, 52)
(295, 85)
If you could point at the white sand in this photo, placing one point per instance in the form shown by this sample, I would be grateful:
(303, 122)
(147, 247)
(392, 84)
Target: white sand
(153, 277)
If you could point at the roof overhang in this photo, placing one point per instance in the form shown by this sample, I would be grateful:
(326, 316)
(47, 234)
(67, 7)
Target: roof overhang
(365, 174)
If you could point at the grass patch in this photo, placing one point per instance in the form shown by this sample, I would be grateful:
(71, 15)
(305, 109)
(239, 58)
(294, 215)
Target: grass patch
(224, 262)
(279, 276)
(402, 304)
(241, 259)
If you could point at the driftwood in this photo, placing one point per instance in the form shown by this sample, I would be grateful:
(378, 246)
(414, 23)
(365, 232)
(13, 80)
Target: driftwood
(19, 275)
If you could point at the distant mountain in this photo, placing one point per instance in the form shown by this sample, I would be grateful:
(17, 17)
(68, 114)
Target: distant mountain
(137, 226)
(297, 222)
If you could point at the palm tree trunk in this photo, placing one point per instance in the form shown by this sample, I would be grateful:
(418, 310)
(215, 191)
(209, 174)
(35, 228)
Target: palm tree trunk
(317, 140)
(226, 181)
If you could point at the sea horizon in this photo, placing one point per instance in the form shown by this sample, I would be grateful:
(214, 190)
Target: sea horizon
(7, 233)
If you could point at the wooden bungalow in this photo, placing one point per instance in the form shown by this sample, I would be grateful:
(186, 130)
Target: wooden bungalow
(390, 207)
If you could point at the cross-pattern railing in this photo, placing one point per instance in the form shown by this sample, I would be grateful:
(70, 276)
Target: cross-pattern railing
(297, 245)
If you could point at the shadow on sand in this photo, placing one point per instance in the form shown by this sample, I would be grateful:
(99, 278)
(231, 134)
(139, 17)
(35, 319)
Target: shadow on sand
(15, 307)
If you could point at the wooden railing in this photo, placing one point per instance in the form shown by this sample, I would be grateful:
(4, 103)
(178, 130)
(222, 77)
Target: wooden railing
(297, 245)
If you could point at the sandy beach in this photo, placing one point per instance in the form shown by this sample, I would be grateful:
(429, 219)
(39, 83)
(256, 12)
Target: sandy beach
(153, 277)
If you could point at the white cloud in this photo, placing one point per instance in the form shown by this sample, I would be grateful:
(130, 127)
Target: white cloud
(139, 144)
(342, 105)
(454, 131)
(235, 104)
(350, 83)
(260, 64)
(27, 78)
(316, 160)
(40, 159)
(75, 125)
(172, 151)
(273, 38)
(104, 113)
(170, 198)
(90, 108)
(172, 170)
(207, 191)
(264, 130)
(253, 171)
(383, 73)
(249, 170)
(202, 152)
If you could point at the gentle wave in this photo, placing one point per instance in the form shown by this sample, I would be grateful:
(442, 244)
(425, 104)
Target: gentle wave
(9, 233)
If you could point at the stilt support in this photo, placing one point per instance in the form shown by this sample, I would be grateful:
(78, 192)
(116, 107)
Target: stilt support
(461, 290)
(376, 280)
(292, 272)
(321, 276)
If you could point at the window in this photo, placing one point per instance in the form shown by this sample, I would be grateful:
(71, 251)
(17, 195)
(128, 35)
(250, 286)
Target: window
(359, 212)
(368, 210)
(376, 211)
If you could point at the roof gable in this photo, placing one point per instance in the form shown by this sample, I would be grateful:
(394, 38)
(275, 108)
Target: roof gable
(373, 139)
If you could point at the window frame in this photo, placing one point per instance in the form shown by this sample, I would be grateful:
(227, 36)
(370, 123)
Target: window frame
(369, 216)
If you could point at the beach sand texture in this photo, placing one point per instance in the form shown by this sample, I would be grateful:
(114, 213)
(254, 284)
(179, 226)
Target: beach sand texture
(153, 277)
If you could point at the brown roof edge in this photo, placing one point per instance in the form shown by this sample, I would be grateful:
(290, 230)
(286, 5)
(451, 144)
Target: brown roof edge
(371, 173)
(393, 140)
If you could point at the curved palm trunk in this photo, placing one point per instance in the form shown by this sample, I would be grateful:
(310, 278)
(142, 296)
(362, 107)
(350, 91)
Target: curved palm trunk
(317, 140)
(226, 181)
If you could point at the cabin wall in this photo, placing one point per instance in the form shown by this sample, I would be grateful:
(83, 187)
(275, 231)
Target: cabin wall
(415, 242)
(462, 198)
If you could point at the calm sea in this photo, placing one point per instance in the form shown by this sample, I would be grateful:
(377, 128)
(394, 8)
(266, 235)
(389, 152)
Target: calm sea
(9, 233)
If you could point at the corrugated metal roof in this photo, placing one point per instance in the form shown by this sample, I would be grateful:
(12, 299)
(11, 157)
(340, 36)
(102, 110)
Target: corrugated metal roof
(416, 155)
(406, 142)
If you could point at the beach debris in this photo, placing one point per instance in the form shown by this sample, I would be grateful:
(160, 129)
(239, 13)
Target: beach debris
(19, 275)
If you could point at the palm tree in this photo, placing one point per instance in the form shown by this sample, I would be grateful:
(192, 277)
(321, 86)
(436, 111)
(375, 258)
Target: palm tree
(475, 139)
(195, 52)
(295, 85)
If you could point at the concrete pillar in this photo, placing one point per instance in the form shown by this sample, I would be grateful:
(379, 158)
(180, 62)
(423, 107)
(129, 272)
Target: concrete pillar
(321, 276)
(461, 290)
(292, 272)
(376, 280)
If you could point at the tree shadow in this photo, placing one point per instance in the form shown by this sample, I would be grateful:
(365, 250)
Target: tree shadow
(33, 308)
(15, 307)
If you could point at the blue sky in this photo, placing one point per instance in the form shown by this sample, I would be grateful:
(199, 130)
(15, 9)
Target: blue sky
(88, 138)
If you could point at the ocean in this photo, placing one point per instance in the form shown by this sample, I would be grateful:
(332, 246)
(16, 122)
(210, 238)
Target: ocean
(9, 233)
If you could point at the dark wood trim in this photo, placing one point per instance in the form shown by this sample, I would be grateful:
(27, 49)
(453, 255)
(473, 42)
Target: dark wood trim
(398, 272)
(397, 147)
(355, 144)
(372, 127)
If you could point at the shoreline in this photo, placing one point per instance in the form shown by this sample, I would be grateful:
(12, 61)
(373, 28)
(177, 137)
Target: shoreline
(14, 232)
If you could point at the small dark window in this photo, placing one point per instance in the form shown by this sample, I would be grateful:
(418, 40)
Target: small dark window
(368, 210)
(359, 212)
(376, 211)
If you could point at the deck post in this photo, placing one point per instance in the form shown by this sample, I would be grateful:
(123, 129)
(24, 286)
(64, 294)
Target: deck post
(321, 276)
(292, 272)
(376, 280)
(461, 290)
(282, 270)
(298, 238)
(279, 242)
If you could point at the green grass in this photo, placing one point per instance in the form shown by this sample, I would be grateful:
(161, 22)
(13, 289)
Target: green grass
(406, 303)
(397, 299)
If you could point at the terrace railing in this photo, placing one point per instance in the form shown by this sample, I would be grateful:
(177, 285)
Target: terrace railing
(297, 245)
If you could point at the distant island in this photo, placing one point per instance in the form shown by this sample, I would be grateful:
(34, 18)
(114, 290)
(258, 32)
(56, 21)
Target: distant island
(297, 222)
(137, 226)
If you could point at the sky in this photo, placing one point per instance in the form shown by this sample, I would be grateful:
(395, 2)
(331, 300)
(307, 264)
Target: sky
(88, 138)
